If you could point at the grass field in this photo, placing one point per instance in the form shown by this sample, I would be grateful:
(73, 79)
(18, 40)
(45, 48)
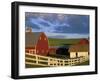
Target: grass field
(62, 42)
(84, 63)
(34, 66)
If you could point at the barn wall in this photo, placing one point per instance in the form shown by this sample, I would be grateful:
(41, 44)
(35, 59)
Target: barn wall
(72, 54)
(52, 51)
(83, 54)
(42, 47)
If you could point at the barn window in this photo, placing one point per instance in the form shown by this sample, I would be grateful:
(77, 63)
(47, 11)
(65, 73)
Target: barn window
(40, 38)
(45, 38)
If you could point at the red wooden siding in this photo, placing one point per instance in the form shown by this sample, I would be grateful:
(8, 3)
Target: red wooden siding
(52, 50)
(42, 47)
(83, 41)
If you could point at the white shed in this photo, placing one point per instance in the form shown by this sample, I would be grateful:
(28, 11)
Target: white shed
(79, 50)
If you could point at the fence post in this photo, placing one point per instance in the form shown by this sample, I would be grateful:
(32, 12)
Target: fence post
(63, 63)
(53, 61)
(48, 61)
(56, 62)
(36, 59)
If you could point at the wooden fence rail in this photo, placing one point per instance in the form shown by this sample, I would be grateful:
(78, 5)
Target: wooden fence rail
(34, 59)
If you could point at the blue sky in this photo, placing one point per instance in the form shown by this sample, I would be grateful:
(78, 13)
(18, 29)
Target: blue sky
(58, 25)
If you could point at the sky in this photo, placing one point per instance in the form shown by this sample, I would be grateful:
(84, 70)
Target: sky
(58, 25)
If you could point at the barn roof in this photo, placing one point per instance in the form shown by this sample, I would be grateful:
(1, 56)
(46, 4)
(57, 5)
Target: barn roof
(79, 48)
(84, 41)
(31, 38)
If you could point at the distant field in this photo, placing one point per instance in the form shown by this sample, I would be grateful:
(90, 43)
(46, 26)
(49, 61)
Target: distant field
(62, 42)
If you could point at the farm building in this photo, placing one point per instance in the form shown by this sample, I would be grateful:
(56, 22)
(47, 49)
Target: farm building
(80, 49)
(83, 41)
(36, 43)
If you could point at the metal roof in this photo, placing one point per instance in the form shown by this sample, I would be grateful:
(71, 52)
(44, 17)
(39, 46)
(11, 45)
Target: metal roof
(31, 38)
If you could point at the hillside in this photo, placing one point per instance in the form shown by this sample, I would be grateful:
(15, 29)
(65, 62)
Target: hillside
(62, 42)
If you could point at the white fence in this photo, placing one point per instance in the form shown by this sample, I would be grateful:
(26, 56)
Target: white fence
(34, 59)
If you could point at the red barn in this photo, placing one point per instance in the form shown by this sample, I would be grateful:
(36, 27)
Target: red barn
(36, 43)
(84, 41)
(80, 49)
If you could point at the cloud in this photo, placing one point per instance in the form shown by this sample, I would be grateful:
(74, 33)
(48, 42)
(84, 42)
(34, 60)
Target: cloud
(67, 35)
(57, 23)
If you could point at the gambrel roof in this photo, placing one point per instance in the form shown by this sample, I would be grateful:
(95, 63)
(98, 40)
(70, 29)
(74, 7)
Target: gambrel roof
(79, 48)
(31, 38)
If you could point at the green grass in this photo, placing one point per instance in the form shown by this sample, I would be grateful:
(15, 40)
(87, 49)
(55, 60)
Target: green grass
(62, 42)
(58, 56)
(38, 66)
(84, 63)
(34, 66)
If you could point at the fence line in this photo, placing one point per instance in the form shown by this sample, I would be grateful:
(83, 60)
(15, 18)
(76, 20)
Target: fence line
(34, 64)
(34, 59)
